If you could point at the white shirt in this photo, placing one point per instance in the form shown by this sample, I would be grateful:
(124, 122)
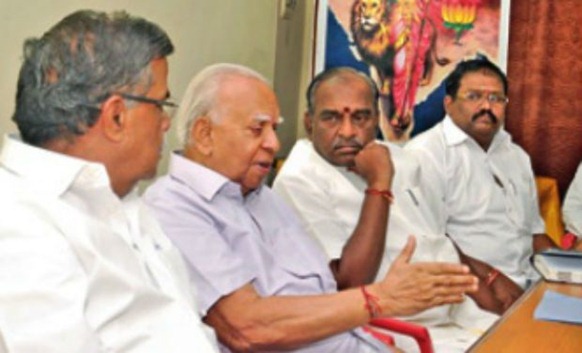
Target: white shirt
(329, 200)
(82, 270)
(487, 200)
(572, 210)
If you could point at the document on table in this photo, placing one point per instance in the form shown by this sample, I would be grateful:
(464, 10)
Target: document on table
(559, 307)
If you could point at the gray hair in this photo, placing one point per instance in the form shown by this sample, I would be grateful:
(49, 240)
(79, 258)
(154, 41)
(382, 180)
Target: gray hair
(68, 72)
(200, 98)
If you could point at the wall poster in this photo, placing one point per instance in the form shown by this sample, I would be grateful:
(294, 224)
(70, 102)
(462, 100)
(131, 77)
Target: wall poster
(408, 47)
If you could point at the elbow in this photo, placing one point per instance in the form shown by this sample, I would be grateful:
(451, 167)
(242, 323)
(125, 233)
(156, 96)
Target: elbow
(248, 335)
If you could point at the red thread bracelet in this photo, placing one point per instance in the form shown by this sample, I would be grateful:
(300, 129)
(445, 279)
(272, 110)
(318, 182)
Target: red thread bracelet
(491, 276)
(371, 303)
(387, 194)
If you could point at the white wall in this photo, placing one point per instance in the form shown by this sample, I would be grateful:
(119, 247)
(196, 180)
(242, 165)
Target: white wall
(203, 32)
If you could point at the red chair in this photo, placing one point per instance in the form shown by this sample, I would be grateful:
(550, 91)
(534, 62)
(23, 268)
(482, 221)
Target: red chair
(378, 328)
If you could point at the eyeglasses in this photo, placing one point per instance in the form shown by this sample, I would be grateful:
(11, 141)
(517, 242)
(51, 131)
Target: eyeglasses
(477, 97)
(160, 103)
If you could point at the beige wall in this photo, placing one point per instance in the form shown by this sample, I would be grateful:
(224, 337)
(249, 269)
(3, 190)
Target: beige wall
(249, 32)
(203, 31)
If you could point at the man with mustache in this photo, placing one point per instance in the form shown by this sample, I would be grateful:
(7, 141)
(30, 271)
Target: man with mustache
(340, 181)
(480, 183)
(263, 283)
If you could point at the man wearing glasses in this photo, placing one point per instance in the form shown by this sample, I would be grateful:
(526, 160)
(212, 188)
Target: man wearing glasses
(83, 265)
(481, 185)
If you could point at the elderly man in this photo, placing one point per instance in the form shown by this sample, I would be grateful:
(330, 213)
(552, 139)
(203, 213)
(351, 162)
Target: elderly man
(84, 267)
(264, 285)
(482, 184)
(336, 181)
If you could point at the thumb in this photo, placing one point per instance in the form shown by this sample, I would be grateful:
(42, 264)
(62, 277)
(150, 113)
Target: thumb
(406, 253)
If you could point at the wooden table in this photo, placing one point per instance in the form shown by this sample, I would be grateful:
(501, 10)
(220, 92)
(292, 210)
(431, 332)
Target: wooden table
(517, 330)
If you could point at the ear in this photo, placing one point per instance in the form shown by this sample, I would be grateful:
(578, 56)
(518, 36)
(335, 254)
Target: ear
(113, 118)
(448, 101)
(202, 132)
(308, 123)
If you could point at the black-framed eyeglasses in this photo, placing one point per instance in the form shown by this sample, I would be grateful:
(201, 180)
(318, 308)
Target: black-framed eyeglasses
(160, 103)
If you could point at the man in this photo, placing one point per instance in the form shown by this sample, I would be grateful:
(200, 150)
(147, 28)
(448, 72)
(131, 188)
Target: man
(263, 284)
(481, 183)
(335, 182)
(572, 211)
(84, 268)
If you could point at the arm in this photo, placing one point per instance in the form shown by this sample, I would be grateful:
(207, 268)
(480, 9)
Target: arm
(496, 291)
(542, 242)
(244, 321)
(356, 252)
(362, 254)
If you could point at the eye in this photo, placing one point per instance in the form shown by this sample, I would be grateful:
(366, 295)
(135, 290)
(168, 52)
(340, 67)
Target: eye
(473, 96)
(330, 117)
(496, 98)
(361, 117)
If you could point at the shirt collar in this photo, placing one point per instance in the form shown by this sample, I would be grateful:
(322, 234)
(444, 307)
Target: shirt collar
(204, 181)
(454, 135)
(46, 170)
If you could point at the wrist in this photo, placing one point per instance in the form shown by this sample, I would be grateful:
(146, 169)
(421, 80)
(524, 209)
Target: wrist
(491, 277)
(385, 193)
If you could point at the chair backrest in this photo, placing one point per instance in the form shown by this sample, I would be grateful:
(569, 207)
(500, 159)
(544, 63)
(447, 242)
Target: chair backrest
(550, 208)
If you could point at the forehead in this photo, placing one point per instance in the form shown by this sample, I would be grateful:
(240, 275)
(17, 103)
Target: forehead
(481, 80)
(248, 99)
(343, 91)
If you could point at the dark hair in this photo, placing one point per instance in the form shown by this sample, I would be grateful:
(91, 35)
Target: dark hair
(481, 63)
(78, 64)
(335, 72)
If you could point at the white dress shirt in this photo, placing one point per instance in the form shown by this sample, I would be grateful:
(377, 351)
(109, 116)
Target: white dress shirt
(83, 271)
(572, 210)
(329, 199)
(487, 200)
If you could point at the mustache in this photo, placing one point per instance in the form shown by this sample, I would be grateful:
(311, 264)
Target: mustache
(353, 142)
(487, 112)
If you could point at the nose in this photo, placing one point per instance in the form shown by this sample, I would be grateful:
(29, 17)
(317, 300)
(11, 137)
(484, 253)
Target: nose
(271, 141)
(346, 128)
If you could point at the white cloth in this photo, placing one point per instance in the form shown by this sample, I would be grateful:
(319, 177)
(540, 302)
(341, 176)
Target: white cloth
(82, 270)
(329, 200)
(491, 220)
(572, 210)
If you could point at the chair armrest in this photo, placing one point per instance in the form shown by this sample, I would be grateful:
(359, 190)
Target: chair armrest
(418, 332)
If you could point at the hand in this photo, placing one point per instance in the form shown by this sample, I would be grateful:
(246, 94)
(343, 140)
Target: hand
(374, 164)
(409, 288)
(505, 290)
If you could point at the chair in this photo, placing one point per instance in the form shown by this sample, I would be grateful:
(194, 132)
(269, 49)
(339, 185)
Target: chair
(550, 208)
(378, 328)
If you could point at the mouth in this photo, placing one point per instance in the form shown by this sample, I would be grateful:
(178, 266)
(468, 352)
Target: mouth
(347, 149)
(264, 166)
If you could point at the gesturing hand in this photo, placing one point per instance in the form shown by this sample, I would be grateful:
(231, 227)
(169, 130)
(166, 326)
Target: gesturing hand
(409, 288)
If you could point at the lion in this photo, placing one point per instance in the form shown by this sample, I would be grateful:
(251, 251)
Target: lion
(391, 35)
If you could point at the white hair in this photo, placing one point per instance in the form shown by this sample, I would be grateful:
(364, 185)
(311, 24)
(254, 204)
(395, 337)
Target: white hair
(200, 98)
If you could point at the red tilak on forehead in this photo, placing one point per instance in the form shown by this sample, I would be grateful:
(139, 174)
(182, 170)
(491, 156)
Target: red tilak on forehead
(347, 109)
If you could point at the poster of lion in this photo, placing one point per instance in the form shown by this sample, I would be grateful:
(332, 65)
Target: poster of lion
(409, 47)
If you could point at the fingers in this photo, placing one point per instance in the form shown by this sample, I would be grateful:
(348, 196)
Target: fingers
(441, 268)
